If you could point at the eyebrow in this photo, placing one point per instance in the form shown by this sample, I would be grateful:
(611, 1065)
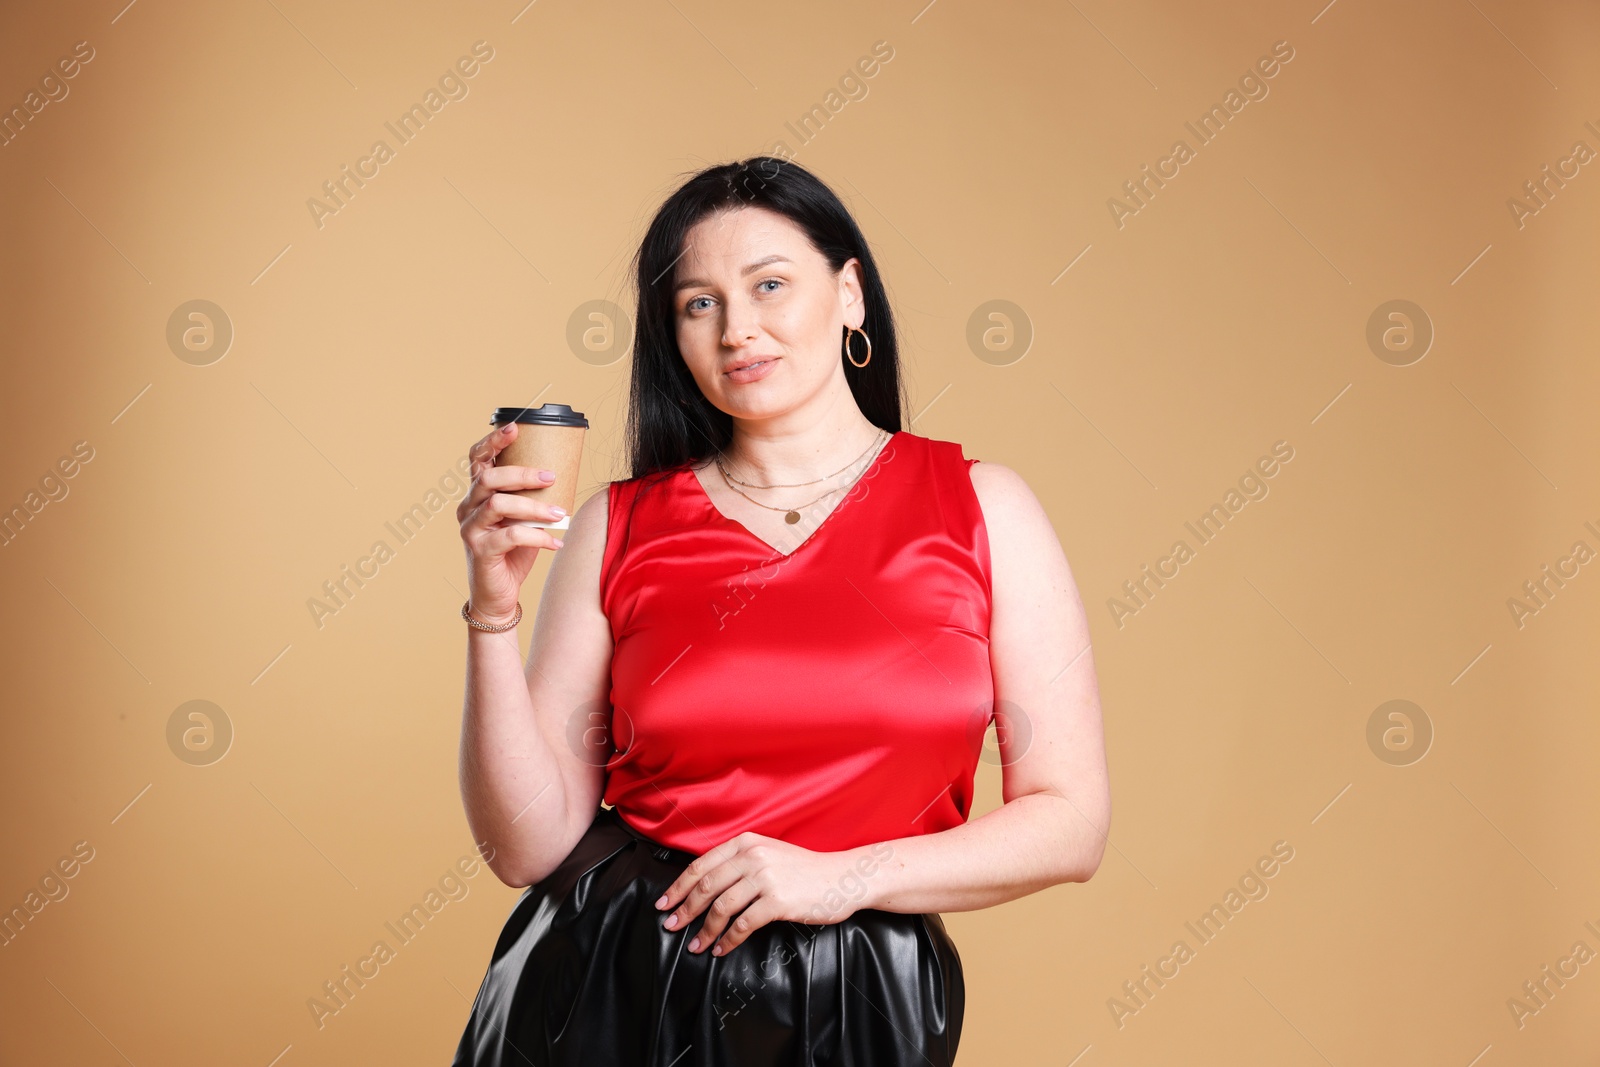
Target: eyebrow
(689, 283)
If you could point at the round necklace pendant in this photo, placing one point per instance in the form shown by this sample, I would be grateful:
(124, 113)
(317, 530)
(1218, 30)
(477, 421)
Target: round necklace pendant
(791, 517)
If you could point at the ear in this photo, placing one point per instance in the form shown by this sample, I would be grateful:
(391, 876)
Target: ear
(852, 296)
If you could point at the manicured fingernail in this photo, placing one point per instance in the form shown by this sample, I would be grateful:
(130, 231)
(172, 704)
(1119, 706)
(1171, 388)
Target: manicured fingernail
(694, 945)
(662, 902)
(717, 951)
(557, 511)
(671, 923)
(548, 474)
(506, 428)
(558, 541)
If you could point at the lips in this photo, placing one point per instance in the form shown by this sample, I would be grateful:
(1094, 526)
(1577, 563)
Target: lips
(752, 369)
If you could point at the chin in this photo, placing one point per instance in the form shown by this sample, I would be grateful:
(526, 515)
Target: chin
(754, 408)
(776, 394)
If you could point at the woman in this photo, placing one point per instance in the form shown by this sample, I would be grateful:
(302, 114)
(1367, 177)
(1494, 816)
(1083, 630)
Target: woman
(772, 652)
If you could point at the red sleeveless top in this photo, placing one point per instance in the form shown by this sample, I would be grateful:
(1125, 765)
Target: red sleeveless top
(833, 697)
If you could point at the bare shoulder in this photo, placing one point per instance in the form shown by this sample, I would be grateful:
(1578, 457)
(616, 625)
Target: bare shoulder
(583, 546)
(1005, 497)
(1023, 545)
(589, 522)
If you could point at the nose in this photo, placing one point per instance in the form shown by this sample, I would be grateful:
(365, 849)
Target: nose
(738, 325)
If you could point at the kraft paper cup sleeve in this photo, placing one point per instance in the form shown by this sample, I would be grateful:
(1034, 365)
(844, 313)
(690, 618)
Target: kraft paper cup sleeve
(552, 448)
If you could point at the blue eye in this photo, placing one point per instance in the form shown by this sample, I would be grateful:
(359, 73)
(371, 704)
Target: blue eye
(691, 305)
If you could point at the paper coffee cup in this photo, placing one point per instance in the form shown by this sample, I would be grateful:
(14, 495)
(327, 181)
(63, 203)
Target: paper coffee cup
(549, 437)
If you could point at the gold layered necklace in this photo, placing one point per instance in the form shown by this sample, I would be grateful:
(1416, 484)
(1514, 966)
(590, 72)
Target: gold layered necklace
(792, 515)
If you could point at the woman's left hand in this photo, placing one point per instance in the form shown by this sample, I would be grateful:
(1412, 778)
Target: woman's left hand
(775, 879)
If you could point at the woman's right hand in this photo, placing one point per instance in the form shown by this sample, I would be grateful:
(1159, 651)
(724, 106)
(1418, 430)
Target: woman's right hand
(500, 550)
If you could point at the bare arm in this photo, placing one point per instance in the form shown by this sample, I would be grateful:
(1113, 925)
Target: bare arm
(533, 738)
(1052, 827)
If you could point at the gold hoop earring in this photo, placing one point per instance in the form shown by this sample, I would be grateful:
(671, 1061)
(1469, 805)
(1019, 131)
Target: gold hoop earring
(848, 331)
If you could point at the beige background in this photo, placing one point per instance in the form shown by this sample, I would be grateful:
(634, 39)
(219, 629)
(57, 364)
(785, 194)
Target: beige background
(1228, 314)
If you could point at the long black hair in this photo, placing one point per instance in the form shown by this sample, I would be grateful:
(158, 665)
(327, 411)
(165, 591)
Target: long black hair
(670, 421)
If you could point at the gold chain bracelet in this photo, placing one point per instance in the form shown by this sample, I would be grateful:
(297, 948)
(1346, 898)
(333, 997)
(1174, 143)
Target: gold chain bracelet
(465, 614)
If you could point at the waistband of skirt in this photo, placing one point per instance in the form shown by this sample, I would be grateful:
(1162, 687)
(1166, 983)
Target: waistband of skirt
(665, 853)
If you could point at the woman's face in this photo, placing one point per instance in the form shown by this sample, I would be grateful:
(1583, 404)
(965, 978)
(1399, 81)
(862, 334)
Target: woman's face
(749, 286)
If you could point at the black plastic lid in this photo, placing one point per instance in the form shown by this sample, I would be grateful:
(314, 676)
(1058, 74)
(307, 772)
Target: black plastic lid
(543, 415)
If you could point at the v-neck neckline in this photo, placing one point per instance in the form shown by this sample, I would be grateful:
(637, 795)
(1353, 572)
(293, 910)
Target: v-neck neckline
(716, 512)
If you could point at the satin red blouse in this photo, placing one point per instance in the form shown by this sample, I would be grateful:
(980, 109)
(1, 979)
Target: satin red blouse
(833, 697)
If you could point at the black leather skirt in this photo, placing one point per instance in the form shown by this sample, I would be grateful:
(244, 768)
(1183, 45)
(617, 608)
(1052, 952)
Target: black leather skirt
(584, 973)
